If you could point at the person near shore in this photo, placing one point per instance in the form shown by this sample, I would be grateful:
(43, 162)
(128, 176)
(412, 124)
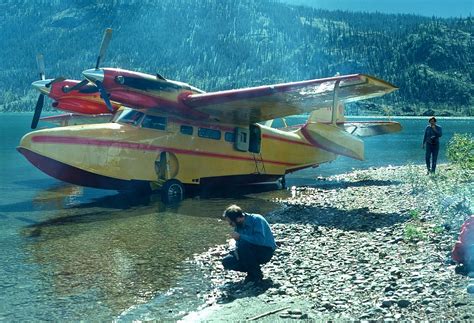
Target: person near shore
(255, 243)
(463, 251)
(431, 143)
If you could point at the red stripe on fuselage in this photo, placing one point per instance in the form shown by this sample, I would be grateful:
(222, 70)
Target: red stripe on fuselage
(131, 145)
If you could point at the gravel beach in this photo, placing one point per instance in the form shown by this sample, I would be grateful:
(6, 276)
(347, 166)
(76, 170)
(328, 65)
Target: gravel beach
(368, 245)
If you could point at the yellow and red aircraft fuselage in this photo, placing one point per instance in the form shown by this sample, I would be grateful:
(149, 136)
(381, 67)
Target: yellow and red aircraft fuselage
(140, 148)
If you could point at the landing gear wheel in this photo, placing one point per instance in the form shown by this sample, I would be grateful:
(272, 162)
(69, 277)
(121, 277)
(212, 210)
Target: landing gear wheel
(282, 182)
(172, 191)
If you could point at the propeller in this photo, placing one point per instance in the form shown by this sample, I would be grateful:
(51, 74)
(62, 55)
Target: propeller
(40, 101)
(75, 87)
(43, 86)
(104, 95)
(96, 75)
(103, 49)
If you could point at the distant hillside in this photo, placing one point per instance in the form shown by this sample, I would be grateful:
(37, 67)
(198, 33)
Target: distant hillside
(217, 45)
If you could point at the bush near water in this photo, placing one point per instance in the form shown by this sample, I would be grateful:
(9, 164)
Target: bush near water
(461, 150)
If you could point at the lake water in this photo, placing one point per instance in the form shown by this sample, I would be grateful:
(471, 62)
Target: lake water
(72, 253)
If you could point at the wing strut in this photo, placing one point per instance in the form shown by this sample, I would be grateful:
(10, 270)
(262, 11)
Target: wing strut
(335, 101)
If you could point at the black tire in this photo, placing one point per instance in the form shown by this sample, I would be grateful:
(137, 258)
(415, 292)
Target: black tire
(282, 182)
(172, 191)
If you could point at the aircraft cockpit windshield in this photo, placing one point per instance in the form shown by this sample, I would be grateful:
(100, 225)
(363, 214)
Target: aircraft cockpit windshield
(130, 116)
(137, 118)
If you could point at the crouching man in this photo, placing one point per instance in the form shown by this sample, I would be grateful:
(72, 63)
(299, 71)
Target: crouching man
(255, 243)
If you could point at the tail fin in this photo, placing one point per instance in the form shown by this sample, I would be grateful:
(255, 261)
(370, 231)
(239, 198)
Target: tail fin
(324, 115)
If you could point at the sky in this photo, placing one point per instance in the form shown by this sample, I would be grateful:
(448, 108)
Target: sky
(438, 8)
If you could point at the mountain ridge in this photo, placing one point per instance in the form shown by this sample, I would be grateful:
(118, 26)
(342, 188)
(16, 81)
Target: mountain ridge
(240, 43)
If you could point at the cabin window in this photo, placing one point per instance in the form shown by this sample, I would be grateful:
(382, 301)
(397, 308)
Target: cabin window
(131, 117)
(186, 130)
(229, 137)
(209, 133)
(154, 122)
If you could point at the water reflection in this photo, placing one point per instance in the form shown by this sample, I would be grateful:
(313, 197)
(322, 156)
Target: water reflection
(57, 197)
(123, 249)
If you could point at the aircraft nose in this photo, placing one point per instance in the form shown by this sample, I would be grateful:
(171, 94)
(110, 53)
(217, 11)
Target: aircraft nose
(43, 86)
(94, 75)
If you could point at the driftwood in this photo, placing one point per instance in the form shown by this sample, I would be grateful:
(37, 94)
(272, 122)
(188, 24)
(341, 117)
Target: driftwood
(267, 313)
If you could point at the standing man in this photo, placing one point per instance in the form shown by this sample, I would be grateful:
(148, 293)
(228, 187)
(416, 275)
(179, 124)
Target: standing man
(431, 142)
(254, 241)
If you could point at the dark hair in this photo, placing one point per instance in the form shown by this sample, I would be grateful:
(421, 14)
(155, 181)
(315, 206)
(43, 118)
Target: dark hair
(432, 118)
(233, 212)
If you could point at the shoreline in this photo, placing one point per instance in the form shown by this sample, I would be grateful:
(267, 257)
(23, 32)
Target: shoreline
(368, 245)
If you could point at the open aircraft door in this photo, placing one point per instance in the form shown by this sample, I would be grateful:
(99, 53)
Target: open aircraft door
(249, 139)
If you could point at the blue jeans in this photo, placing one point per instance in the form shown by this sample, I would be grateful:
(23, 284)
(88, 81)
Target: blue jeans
(431, 156)
(250, 257)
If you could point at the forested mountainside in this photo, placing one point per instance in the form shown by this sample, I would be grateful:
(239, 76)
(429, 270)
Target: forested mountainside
(216, 45)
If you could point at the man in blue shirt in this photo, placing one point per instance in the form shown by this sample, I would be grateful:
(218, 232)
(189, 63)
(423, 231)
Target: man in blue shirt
(254, 241)
(431, 142)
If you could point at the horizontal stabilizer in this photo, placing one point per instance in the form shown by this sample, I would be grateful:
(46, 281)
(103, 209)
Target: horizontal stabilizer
(334, 139)
(372, 128)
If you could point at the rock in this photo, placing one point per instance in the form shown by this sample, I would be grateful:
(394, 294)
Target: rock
(470, 288)
(387, 302)
(295, 312)
(327, 305)
(403, 303)
(460, 302)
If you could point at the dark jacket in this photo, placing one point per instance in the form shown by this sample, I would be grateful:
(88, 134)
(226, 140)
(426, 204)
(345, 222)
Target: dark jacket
(432, 137)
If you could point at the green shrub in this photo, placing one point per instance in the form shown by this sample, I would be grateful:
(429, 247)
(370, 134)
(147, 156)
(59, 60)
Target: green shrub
(461, 150)
(415, 215)
(413, 233)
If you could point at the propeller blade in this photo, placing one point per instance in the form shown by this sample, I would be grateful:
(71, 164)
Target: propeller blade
(40, 63)
(38, 109)
(76, 87)
(103, 46)
(58, 79)
(104, 95)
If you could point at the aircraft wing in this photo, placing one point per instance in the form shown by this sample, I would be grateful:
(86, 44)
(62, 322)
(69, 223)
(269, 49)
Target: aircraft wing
(256, 104)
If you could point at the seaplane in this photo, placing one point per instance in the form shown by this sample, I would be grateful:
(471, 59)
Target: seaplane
(169, 136)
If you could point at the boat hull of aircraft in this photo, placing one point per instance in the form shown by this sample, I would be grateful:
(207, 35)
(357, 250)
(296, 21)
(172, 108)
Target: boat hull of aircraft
(77, 176)
(124, 156)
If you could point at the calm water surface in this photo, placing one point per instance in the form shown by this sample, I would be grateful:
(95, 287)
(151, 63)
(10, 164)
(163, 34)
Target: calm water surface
(70, 253)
